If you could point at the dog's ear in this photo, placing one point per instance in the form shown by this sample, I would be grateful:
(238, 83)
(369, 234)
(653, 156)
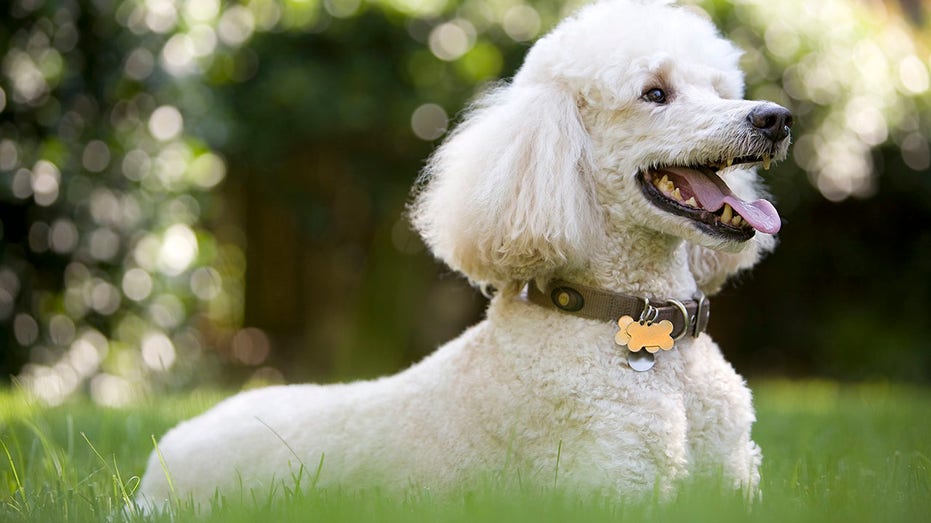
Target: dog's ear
(508, 196)
(712, 268)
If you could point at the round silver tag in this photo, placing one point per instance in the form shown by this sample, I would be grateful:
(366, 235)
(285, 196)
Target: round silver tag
(640, 360)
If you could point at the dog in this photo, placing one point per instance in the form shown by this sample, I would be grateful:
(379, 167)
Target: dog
(602, 194)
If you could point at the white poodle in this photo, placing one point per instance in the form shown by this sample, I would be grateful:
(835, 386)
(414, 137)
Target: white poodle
(619, 164)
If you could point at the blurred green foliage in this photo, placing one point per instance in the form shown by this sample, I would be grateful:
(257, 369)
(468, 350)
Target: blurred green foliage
(190, 186)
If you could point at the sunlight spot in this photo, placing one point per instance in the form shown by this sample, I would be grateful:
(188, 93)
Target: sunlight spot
(161, 15)
(913, 74)
(867, 121)
(9, 281)
(267, 14)
(96, 156)
(342, 8)
(177, 57)
(104, 207)
(206, 283)
(83, 356)
(39, 237)
(21, 185)
(43, 382)
(916, 152)
(203, 40)
(202, 10)
(845, 169)
(136, 164)
(420, 8)
(171, 164)
(26, 78)
(64, 236)
(111, 391)
(236, 26)
(429, 122)
(178, 250)
(88, 351)
(158, 353)
(146, 252)
(166, 123)
(451, 40)
(45, 183)
(782, 40)
(167, 311)
(102, 296)
(61, 330)
(250, 346)
(104, 243)
(139, 64)
(9, 155)
(521, 22)
(207, 170)
(137, 284)
(25, 329)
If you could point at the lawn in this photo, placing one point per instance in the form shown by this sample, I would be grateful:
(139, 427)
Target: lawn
(832, 453)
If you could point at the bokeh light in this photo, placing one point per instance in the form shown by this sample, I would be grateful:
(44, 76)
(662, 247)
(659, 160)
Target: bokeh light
(45, 183)
(236, 26)
(250, 346)
(158, 352)
(429, 121)
(852, 86)
(137, 284)
(521, 22)
(165, 123)
(178, 249)
(451, 40)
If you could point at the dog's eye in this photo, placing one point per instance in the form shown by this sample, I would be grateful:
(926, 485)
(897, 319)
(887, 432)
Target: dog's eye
(655, 95)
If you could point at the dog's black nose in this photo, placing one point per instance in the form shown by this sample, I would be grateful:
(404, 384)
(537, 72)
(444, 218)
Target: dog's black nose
(773, 120)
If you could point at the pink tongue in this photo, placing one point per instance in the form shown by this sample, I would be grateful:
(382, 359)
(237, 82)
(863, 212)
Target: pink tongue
(760, 214)
(712, 193)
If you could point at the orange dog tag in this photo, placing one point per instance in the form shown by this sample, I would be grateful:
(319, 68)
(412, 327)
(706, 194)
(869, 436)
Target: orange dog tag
(647, 335)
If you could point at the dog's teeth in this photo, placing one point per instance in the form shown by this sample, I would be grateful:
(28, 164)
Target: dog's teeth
(664, 180)
(767, 159)
(691, 202)
(676, 194)
(729, 162)
(727, 213)
(737, 220)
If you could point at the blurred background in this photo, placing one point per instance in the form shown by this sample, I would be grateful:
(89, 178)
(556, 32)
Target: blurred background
(197, 192)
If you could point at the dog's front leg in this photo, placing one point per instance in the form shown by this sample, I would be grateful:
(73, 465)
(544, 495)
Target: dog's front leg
(720, 416)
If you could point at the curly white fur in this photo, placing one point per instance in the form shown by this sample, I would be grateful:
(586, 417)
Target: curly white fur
(537, 182)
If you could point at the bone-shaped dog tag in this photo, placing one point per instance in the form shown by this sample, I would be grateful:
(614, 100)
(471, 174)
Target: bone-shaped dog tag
(639, 335)
(647, 335)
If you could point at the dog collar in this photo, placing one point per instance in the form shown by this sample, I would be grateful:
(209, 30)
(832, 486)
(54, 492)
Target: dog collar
(644, 326)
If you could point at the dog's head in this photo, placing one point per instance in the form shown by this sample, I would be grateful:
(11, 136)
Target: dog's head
(629, 114)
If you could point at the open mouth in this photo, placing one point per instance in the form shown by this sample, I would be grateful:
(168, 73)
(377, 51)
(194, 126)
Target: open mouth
(698, 193)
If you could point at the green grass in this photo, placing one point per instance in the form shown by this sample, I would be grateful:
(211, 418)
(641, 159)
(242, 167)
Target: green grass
(832, 453)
